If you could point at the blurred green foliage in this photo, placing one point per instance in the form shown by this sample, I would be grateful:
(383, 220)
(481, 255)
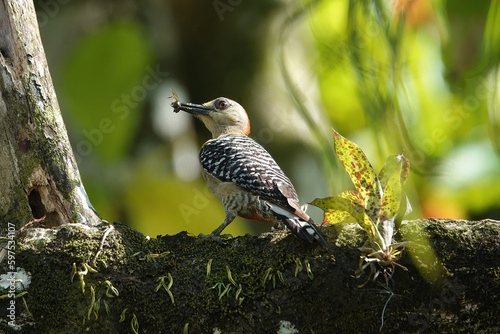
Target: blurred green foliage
(415, 76)
(98, 88)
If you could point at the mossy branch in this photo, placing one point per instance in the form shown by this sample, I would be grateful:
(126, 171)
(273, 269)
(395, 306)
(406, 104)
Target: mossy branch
(255, 284)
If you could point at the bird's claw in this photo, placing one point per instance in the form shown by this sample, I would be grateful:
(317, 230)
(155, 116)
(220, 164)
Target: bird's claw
(215, 237)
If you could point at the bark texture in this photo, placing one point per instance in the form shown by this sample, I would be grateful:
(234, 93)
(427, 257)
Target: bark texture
(38, 173)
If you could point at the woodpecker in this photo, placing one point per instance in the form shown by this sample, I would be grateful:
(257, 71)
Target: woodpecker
(242, 174)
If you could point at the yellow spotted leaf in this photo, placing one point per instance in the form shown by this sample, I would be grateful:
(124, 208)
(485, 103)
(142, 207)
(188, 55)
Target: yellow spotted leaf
(338, 217)
(339, 209)
(361, 172)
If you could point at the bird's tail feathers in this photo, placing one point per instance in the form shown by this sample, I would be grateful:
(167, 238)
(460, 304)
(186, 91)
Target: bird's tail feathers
(306, 230)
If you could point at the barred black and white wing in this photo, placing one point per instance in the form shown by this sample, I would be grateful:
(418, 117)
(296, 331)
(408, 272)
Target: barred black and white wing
(241, 160)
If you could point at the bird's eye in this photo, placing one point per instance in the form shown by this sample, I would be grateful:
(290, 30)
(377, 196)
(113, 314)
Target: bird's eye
(222, 104)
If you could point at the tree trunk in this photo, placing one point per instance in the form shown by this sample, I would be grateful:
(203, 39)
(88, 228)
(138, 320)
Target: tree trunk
(39, 178)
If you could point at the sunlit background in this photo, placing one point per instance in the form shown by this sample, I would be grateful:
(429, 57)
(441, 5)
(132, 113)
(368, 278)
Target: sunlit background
(418, 76)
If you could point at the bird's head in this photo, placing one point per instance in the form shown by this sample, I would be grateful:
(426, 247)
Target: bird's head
(221, 116)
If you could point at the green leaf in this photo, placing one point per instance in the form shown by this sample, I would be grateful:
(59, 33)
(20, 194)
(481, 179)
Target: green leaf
(374, 235)
(393, 163)
(352, 196)
(346, 208)
(338, 217)
(391, 202)
(361, 172)
(342, 201)
(404, 210)
(338, 210)
(391, 198)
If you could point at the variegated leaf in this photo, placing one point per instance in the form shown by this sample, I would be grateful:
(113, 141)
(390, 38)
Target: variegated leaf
(361, 172)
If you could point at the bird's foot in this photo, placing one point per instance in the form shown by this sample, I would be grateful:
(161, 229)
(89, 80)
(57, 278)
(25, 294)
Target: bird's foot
(215, 237)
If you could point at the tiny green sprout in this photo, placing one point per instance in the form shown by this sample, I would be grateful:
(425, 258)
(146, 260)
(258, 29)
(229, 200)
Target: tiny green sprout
(185, 329)
(21, 294)
(161, 282)
(171, 296)
(134, 324)
(280, 276)
(85, 270)
(25, 304)
(97, 307)
(240, 288)
(122, 315)
(278, 310)
(170, 281)
(266, 275)
(230, 276)
(153, 257)
(241, 300)
(167, 287)
(73, 271)
(82, 283)
(135, 254)
(92, 301)
(219, 287)
(308, 269)
(209, 267)
(226, 290)
(298, 266)
(112, 288)
(89, 268)
(106, 306)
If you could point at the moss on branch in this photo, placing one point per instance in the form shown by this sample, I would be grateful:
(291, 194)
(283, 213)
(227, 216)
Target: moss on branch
(253, 283)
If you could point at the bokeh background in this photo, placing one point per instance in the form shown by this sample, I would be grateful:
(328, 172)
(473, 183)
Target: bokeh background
(419, 76)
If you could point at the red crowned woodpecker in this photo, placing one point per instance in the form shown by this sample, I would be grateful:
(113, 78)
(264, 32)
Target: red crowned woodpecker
(242, 174)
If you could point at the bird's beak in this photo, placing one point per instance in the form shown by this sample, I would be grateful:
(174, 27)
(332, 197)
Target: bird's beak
(195, 109)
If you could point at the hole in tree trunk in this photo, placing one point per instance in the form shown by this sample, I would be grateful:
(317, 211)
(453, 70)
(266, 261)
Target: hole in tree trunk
(36, 205)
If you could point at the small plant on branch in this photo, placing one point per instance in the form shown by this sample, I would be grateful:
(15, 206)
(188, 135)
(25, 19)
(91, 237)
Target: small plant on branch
(378, 205)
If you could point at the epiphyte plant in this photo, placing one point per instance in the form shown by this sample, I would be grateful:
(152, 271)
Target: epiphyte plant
(378, 205)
